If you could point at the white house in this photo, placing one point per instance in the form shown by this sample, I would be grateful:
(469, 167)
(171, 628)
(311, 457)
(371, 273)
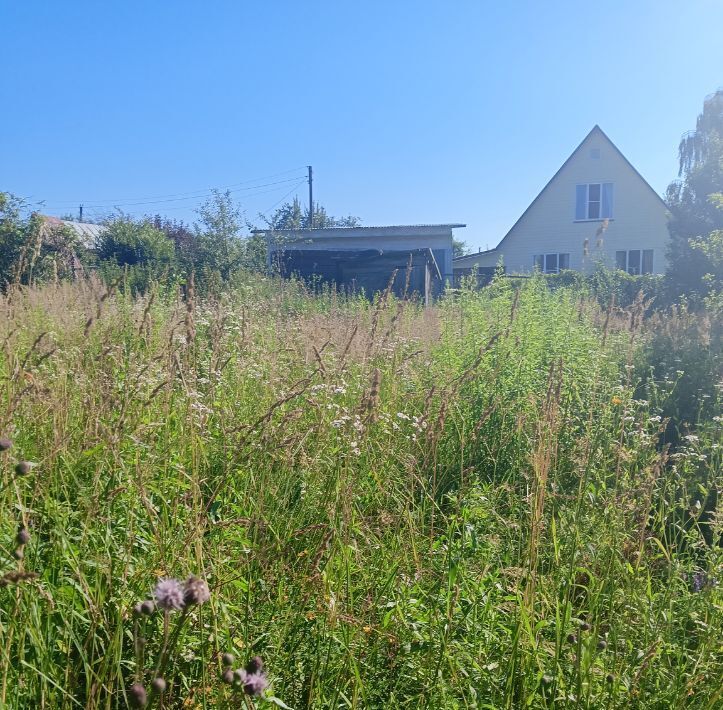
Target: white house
(596, 209)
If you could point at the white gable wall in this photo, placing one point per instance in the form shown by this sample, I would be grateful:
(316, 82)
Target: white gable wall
(548, 226)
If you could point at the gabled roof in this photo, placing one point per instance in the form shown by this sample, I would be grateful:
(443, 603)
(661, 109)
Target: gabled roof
(595, 130)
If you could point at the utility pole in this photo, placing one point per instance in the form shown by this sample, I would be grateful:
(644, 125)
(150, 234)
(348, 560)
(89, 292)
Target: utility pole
(80, 213)
(311, 199)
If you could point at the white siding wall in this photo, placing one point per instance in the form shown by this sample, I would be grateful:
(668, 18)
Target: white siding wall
(639, 217)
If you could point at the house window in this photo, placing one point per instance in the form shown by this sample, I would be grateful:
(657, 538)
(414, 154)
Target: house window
(551, 263)
(594, 201)
(635, 261)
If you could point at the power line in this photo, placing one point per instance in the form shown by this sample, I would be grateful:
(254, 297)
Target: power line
(102, 211)
(204, 192)
(296, 187)
(198, 196)
(250, 196)
(195, 197)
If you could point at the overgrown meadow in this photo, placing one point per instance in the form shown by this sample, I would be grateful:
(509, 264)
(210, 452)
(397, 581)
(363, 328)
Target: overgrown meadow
(483, 504)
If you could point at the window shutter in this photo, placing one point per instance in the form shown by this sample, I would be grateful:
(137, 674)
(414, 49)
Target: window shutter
(607, 200)
(621, 260)
(581, 202)
(647, 261)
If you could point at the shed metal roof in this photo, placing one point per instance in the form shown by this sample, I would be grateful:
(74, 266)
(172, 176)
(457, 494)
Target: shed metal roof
(87, 233)
(326, 231)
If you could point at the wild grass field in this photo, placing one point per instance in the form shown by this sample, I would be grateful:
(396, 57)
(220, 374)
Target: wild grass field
(483, 504)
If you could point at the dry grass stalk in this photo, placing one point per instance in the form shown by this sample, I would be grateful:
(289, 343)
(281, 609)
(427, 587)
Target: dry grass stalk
(543, 461)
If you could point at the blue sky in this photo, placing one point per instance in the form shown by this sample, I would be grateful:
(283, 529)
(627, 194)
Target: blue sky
(409, 112)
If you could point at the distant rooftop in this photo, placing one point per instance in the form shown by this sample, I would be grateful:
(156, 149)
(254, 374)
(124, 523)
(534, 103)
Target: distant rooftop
(474, 253)
(88, 233)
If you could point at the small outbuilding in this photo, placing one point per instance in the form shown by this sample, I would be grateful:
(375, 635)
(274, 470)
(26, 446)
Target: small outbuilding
(356, 259)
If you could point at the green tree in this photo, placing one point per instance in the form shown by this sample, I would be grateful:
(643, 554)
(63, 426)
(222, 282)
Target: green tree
(14, 233)
(144, 252)
(695, 204)
(33, 248)
(292, 216)
(130, 242)
(459, 248)
(219, 235)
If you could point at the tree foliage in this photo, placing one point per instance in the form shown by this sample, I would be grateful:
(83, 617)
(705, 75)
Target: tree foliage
(695, 203)
(293, 216)
(459, 248)
(32, 248)
(131, 242)
(219, 234)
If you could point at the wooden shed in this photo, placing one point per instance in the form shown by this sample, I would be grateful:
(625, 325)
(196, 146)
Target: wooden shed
(364, 259)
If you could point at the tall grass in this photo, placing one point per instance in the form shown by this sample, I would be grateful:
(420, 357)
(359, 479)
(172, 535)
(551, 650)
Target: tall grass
(461, 506)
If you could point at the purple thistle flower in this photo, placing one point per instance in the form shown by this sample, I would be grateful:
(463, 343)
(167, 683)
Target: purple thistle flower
(137, 696)
(255, 665)
(169, 594)
(227, 659)
(255, 684)
(23, 468)
(195, 591)
(252, 678)
(159, 685)
(699, 581)
(5, 443)
(23, 536)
